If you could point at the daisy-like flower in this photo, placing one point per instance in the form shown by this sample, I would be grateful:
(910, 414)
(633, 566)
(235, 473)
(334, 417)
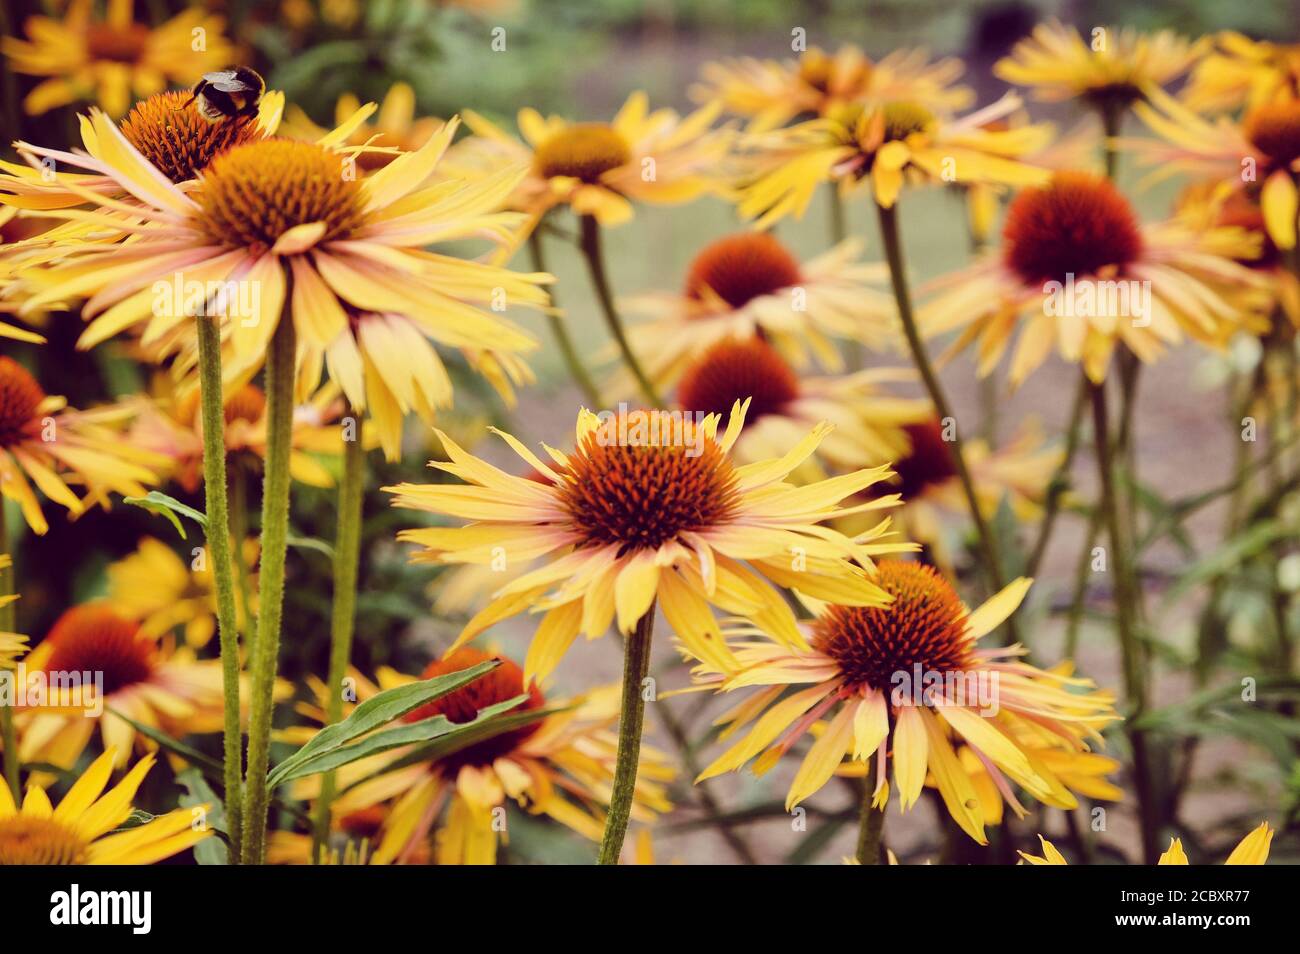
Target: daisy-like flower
(869, 421)
(882, 147)
(1252, 850)
(77, 832)
(560, 766)
(1113, 67)
(856, 673)
(771, 93)
(600, 169)
(1078, 274)
(113, 60)
(927, 480)
(748, 284)
(53, 446)
(1259, 156)
(144, 678)
(650, 506)
(396, 128)
(1241, 72)
(267, 210)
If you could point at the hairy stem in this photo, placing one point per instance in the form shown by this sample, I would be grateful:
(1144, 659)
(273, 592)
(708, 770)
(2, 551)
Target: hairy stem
(871, 824)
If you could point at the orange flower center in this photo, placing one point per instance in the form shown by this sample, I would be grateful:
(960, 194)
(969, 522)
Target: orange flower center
(924, 626)
(28, 840)
(742, 267)
(179, 141)
(255, 192)
(583, 151)
(95, 639)
(500, 685)
(247, 404)
(20, 396)
(644, 477)
(125, 44)
(1274, 129)
(929, 462)
(732, 371)
(1076, 224)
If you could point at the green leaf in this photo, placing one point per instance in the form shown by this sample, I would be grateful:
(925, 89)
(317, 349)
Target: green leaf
(210, 851)
(169, 507)
(435, 727)
(376, 711)
(310, 543)
(1228, 556)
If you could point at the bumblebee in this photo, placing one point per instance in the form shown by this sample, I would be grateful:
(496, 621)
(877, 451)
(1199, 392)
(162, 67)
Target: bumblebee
(226, 94)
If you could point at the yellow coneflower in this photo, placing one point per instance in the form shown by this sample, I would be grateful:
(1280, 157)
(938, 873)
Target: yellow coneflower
(1113, 66)
(1241, 72)
(53, 446)
(394, 131)
(857, 672)
(560, 766)
(112, 60)
(750, 283)
(771, 93)
(76, 832)
(650, 507)
(1260, 155)
(869, 421)
(1077, 273)
(881, 148)
(600, 169)
(145, 679)
(1252, 850)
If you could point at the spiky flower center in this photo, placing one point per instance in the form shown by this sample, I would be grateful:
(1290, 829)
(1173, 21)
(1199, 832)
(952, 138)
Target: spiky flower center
(644, 477)
(1077, 224)
(903, 119)
(95, 639)
(20, 396)
(1274, 129)
(247, 404)
(732, 371)
(502, 684)
(176, 139)
(925, 625)
(29, 840)
(583, 151)
(118, 44)
(928, 463)
(742, 267)
(253, 193)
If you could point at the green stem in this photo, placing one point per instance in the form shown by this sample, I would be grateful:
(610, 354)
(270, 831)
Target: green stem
(591, 250)
(217, 508)
(871, 824)
(561, 331)
(1060, 480)
(275, 530)
(8, 615)
(636, 664)
(1134, 676)
(347, 553)
(239, 533)
(894, 255)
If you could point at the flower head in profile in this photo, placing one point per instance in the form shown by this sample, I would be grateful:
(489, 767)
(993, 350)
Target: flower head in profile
(1111, 67)
(49, 447)
(1243, 73)
(770, 93)
(881, 148)
(750, 283)
(560, 766)
(113, 60)
(650, 508)
(902, 682)
(1251, 850)
(598, 168)
(79, 830)
(1078, 274)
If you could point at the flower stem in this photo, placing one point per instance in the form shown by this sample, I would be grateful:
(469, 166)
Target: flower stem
(218, 513)
(591, 250)
(894, 255)
(561, 331)
(347, 552)
(275, 530)
(1130, 650)
(1060, 480)
(636, 664)
(8, 733)
(239, 533)
(871, 827)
